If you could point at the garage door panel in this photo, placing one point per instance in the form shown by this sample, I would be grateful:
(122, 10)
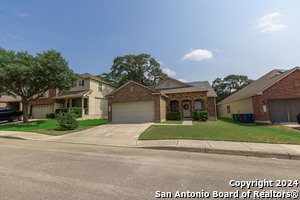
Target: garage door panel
(284, 110)
(294, 109)
(133, 112)
(40, 111)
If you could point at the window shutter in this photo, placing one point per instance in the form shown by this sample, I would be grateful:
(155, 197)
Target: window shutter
(82, 82)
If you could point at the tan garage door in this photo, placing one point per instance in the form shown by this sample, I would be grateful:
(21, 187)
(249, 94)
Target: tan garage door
(40, 111)
(284, 110)
(133, 112)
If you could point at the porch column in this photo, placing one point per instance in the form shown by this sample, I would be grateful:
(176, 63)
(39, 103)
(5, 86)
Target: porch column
(66, 103)
(82, 106)
(180, 107)
(70, 103)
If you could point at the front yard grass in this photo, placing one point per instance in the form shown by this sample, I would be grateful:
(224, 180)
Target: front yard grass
(51, 127)
(225, 130)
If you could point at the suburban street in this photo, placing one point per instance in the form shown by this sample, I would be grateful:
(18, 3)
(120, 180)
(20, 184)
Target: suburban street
(55, 170)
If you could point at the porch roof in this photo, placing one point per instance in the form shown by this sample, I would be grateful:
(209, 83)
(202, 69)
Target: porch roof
(73, 94)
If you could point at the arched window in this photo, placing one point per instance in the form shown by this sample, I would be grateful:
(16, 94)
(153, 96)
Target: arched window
(198, 105)
(174, 106)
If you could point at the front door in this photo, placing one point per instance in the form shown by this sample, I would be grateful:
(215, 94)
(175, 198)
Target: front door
(186, 106)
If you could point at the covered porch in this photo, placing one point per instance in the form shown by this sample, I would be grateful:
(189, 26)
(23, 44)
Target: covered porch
(76, 99)
(187, 103)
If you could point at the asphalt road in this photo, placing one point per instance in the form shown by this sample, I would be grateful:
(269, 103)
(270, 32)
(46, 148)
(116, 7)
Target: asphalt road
(48, 170)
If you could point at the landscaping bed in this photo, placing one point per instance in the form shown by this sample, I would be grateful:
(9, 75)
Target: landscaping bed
(225, 130)
(51, 127)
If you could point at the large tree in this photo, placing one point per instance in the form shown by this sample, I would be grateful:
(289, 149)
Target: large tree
(229, 85)
(140, 68)
(29, 77)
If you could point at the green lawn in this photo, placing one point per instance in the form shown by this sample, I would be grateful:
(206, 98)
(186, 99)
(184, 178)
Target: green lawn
(50, 126)
(225, 130)
(170, 122)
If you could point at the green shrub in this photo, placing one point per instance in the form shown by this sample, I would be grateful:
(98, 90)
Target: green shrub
(77, 110)
(173, 115)
(67, 120)
(201, 115)
(50, 116)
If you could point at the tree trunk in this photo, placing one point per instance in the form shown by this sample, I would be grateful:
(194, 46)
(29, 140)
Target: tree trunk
(25, 111)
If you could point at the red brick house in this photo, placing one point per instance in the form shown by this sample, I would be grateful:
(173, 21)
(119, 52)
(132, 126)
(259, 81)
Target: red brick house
(135, 103)
(275, 97)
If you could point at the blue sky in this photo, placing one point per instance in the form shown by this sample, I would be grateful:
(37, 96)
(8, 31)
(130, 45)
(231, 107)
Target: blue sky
(193, 40)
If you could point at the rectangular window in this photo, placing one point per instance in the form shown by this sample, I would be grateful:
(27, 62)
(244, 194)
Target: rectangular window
(81, 83)
(198, 106)
(100, 87)
(75, 84)
(174, 106)
(228, 109)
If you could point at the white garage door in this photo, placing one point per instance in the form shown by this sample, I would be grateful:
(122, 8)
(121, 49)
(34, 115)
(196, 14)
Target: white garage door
(133, 112)
(40, 111)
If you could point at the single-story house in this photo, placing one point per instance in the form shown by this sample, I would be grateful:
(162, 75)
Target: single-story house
(275, 97)
(136, 103)
(87, 92)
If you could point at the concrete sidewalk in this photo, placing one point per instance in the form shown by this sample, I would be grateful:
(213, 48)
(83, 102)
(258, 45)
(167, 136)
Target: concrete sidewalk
(281, 151)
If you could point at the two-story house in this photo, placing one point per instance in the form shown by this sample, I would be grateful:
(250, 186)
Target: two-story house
(87, 92)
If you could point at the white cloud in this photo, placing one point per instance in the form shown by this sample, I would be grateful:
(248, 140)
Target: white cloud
(271, 23)
(161, 62)
(183, 80)
(198, 55)
(169, 72)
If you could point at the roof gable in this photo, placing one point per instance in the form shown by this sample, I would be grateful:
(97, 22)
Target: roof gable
(90, 76)
(129, 82)
(169, 83)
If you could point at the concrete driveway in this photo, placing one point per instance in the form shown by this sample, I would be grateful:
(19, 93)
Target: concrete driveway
(125, 135)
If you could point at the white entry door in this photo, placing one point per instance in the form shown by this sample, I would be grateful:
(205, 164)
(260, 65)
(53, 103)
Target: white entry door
(186, 106)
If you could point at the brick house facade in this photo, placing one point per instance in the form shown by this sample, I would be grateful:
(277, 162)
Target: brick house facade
(134, 92)
(162, 94)
(273, 98)
(286, 88)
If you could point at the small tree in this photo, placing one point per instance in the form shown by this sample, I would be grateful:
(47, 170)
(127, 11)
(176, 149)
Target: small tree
(67, 120)
(29, 77)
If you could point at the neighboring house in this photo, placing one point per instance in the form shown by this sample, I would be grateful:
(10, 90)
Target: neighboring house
(135, 103)
(10, 102)
(275, 97)
(88, 92)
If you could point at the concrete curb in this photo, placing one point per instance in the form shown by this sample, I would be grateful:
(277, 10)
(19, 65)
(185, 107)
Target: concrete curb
(229, 152)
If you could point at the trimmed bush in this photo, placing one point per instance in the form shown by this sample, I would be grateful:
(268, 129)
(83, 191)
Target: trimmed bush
(67, 120)
(77, 110)
(173, 115)
(50, 116)
(201, 115)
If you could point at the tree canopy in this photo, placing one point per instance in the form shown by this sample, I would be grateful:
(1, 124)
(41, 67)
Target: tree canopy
(29, 77)
(229, 85)
(140, 68)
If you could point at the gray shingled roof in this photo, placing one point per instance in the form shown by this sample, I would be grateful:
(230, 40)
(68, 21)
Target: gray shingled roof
(72, 94)
(181, 90)
(260, 84)
(6, 99)
(205, 85)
